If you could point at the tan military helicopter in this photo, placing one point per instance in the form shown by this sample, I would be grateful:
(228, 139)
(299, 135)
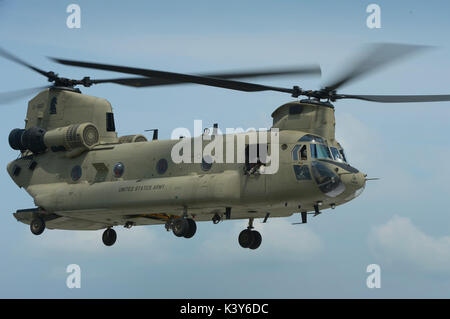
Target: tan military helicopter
(82, 176)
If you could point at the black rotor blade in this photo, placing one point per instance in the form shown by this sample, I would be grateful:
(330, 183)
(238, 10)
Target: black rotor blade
(395, 98)
(15, 59)
(14, 95)
(179, 77)
(377, 56)
(147, 82)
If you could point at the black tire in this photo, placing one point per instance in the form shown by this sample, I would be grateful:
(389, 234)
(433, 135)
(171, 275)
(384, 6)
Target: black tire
(246, 238)
(257, 239)
(192, 228)
(37, 226)
(180, 227)
(109, 237)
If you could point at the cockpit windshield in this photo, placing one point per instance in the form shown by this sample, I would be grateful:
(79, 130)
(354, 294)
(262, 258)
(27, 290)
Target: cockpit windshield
(320, 151)
(338, 155)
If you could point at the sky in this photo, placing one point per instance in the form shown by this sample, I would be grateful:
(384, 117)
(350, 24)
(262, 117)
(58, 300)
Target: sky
(400, 222)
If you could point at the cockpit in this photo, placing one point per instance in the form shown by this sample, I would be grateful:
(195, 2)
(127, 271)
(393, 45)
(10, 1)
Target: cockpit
(320, 150)
(316, 159)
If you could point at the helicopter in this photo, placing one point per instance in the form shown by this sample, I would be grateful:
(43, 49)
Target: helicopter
(83, 176)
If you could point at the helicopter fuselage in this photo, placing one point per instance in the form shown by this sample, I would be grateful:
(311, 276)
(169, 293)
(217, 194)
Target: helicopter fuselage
(131, 181)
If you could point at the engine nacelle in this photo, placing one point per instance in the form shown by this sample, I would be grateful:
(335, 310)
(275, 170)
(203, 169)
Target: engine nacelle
(77, 136)
(132, 138)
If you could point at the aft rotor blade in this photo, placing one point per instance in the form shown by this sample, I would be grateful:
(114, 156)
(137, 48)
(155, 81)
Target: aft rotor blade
(376, 57)
(15, 59)
(396, 98)
(179, 77)
(7, 97)
(147, 82)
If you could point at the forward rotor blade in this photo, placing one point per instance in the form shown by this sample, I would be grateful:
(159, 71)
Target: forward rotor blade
(396, 98)
(376, 57)
(147, 82)
(178, 77)
(15, 59)
(14, 95)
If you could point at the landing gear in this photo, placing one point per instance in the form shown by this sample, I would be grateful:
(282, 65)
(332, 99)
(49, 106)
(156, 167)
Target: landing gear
(109, 237)
(249, 238)
(216, 219)
(191, 229)
(183, 227)
(37, 226)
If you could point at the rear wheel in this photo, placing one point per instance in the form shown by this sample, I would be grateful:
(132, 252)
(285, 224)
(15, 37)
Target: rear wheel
(37, 226)
(180, 227)
(192, 228)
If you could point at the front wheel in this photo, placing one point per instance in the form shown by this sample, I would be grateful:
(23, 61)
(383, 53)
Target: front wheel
(180, 227)
(192, 228)
(37, 226)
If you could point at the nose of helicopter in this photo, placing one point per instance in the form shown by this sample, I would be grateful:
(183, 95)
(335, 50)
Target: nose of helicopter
(355, 182)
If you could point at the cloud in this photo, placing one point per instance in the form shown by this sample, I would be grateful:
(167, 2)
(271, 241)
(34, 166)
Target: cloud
(399, 241)
(358, 139)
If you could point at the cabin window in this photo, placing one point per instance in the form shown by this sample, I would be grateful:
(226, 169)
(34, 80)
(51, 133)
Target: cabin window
(161, 166)
(118, 169)
(110, 126)
(255, 156)
(76, 172)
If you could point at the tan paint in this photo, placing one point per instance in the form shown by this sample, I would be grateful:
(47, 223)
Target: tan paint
(99, 199)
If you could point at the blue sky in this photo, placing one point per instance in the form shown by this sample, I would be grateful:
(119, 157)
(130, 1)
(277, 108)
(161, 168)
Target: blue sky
(400, 222)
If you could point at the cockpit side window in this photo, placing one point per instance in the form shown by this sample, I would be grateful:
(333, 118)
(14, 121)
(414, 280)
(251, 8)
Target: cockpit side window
(341, 151)
(320, 151)
(337, 155)
(299, 152)
(303, 153)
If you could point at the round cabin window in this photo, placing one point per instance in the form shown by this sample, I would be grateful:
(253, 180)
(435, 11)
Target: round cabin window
(118, 169)
(76, 173)
(161, 166)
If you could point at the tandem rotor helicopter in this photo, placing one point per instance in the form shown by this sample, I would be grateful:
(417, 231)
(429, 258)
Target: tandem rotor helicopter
(83, 176)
